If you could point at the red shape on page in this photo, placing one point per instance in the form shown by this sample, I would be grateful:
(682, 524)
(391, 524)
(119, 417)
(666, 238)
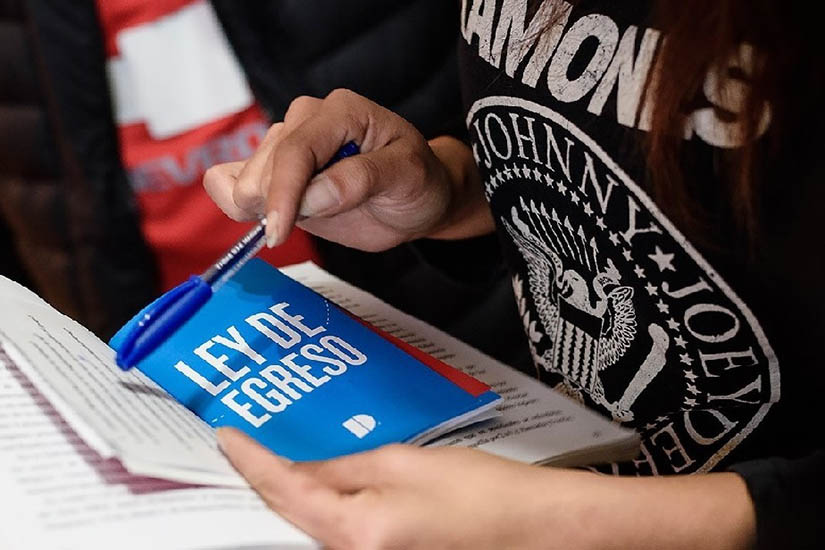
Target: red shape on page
(464, 381)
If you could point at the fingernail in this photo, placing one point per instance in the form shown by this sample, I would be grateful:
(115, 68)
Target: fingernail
(222, 434)
(320, 196)
(272, 228)
(283, 460)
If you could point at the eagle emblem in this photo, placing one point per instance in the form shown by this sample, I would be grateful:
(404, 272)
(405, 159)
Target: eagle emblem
(586, 313)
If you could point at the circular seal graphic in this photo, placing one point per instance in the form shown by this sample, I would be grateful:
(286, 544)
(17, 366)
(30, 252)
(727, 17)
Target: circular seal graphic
(620, 310)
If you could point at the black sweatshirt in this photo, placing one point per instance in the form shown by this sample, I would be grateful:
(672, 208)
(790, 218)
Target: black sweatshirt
(705, 340)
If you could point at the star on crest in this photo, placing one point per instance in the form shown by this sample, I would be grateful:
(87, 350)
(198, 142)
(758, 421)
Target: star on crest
(681, 342)
(663, 307)
(587, 210)
(686, 359)
(562, 189)
(614, 238)
(663, 261)
(673, 325)
(640, 273)
(600, 223)
(652, 289)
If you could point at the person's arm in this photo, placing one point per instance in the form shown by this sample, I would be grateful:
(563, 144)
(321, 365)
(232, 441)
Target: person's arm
(399, 188)
(469, 216)
(407, 497)
(708, 511)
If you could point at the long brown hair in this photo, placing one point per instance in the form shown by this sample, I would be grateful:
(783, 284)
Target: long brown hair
(700, 38)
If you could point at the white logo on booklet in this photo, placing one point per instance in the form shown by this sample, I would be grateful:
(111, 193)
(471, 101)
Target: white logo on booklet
(360, 425)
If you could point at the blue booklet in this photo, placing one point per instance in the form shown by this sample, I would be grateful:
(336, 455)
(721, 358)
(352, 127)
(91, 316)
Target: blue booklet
(303, 377)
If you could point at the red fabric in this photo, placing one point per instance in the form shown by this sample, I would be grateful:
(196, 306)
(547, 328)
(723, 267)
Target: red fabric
(181, 224)
(117, 15)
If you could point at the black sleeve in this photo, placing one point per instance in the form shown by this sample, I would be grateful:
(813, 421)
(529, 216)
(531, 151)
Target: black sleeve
(788, 497)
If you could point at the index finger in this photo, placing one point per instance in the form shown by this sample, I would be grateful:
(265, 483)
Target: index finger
(294, 494)
(219, 181)
(343, 117)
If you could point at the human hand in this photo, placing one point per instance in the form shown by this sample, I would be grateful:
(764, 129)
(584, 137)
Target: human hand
(407, 497)
(395, 190)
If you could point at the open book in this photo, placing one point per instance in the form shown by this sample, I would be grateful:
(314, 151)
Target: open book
(275, 359)
(74, 429)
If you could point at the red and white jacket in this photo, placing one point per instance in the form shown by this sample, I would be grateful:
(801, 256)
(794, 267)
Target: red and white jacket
(182, 104)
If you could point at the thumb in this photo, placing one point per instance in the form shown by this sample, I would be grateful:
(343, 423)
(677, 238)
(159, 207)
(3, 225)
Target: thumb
(342, 187)
(352, 181)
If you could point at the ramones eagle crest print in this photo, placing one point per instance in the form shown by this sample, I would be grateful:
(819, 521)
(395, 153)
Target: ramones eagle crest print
(621, 312)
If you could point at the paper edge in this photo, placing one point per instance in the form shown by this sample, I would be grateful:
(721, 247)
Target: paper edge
(91, 437)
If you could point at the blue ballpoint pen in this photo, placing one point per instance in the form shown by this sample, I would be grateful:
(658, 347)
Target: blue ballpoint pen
(170, 311)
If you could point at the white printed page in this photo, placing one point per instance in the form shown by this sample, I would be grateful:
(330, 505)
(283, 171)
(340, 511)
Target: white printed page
(537, 424)
(118, 414)
(57, 493)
